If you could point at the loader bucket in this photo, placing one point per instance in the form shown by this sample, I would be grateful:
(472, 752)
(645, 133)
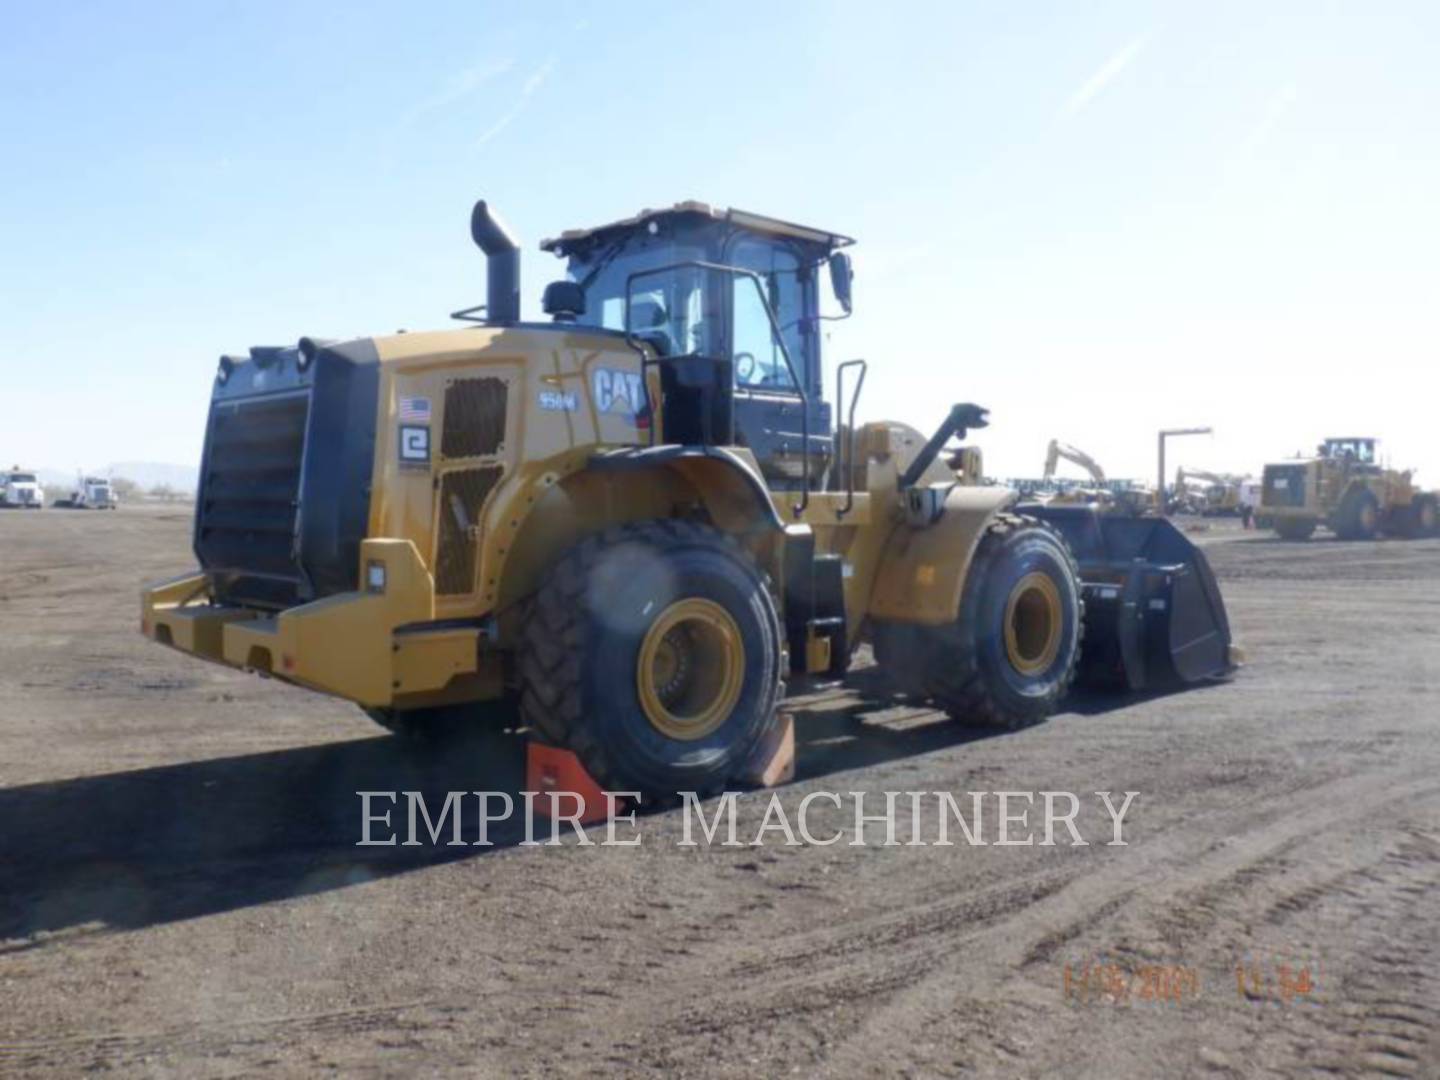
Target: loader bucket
(1154, 618)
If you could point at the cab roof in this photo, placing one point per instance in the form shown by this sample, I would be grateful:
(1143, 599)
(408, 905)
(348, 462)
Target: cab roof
(573, 239)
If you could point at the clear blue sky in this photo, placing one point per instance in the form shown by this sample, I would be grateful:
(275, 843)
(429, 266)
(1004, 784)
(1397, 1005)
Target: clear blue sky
(1096, 219)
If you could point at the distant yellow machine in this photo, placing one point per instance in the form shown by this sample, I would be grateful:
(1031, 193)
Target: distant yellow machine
(640, 519)
(1096, 492)
(1121, 496)
(1345, 488)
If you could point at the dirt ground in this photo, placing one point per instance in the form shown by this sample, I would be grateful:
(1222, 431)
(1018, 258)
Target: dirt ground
(181, 892)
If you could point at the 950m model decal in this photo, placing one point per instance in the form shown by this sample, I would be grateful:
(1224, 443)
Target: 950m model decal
(559, 400)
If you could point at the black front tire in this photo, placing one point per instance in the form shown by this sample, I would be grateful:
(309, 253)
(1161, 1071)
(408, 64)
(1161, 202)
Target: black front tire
(968, 667)
(1359, 517)
(580, 648)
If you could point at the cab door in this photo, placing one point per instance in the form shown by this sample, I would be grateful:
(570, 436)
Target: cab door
(771, 416)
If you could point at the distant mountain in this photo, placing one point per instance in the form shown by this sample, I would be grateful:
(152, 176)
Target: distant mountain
(149, 474)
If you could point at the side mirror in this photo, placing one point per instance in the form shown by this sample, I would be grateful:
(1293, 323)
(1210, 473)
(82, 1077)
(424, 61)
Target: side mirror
(842, 275)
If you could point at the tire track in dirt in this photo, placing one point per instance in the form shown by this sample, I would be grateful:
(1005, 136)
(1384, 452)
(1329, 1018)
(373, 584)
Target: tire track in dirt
(1376, 924)
(1167, 873)
(883, 973)
(814, 984)
(938, 908)
(132, 1050)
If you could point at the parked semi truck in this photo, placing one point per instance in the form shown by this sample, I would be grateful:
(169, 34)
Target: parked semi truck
(20, 489)
(89, 493)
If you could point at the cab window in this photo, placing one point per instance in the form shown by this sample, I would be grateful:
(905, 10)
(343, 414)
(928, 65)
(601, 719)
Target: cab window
(785, 287)
(757, 355)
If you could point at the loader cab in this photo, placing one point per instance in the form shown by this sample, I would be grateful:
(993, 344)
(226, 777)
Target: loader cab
(727, 306)
(1353, 451)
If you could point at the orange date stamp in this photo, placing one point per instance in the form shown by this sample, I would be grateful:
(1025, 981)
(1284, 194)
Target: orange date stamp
(1277, 982)
(1116, 983)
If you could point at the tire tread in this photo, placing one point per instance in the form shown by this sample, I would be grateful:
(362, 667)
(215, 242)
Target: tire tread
(554, 629)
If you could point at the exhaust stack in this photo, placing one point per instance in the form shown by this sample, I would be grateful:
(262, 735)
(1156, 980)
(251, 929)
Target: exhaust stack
(502, 261)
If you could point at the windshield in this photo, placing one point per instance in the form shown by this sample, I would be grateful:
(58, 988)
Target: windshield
(1362, 450)
(22, 478)
(680, 312)
(669, 307)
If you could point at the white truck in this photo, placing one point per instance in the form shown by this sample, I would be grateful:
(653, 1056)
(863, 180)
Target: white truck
(89, 493)
(21, 489)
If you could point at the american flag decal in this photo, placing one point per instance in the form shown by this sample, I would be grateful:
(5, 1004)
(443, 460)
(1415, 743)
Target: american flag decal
(415, 410)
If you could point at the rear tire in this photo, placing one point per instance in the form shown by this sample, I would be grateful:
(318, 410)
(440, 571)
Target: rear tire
(1294, 528)
(653, 652)
(1009, 657)
(1359, 517)
(1423, 519)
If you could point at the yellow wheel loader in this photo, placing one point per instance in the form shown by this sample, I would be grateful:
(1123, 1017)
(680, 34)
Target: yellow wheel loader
(1346, 489)
(641, 519)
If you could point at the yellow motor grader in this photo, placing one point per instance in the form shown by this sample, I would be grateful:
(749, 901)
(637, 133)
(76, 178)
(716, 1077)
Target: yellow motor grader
(640, 518)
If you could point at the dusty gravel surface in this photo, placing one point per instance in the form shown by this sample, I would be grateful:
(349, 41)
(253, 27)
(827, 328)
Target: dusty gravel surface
(181, 894)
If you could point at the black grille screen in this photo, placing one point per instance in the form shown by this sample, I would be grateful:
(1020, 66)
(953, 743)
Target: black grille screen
(474, 417)
(284, 499)
(1284, 485)
(246, 510)
(462, 495)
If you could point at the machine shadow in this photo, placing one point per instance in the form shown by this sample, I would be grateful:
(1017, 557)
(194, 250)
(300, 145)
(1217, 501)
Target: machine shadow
(871, 724)
(1096, 700)
(159, 845)
(175, 842)
(868, 724)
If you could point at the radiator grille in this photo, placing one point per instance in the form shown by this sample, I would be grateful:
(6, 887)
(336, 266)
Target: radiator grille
(249, 493)
(474, 417)
(462, 495)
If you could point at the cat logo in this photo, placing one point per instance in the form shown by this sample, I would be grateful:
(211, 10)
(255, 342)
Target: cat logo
(618, 392)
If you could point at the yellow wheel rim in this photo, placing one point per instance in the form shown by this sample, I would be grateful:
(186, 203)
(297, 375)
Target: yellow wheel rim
(1034, 622)
(691, 669)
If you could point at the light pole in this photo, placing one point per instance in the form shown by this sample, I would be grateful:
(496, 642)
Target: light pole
(1160, 487)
